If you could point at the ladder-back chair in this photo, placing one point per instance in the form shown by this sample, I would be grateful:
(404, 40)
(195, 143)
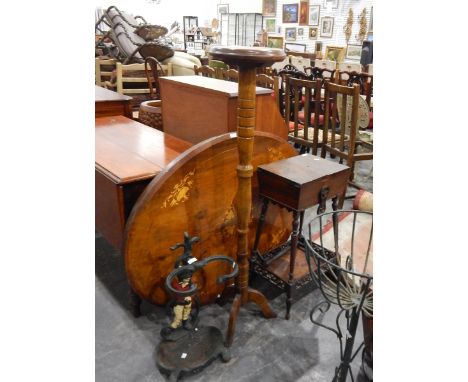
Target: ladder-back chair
(342, 104)
(231, 75)
(306, 93)
(205, 71)
(103, 70)
(269, 82)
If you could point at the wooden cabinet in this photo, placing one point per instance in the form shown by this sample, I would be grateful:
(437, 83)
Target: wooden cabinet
(108, 103)
(196, 108)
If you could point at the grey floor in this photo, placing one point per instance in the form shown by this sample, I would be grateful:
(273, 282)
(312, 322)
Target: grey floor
(263, 350)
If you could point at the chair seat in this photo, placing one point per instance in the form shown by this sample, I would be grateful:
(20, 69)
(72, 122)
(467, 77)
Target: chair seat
(300, 117)
(291, 126)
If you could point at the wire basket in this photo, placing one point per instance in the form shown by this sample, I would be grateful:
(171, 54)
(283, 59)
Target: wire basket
(338, 248)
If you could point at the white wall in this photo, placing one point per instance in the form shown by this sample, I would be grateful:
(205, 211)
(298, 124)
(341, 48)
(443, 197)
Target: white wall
(169, 11)
(340, 15)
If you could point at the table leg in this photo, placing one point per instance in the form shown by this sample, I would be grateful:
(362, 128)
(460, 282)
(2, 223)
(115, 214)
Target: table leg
(261, 222)
(292, 260)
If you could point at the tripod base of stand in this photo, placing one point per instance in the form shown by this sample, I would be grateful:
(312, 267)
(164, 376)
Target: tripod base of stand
(254, 296)
(191, 352)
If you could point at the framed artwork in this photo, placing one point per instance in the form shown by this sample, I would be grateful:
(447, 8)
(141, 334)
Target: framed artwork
(275, 42)
(290, 34)
(223, 8)
(313, 32)
(335, 53)
(333, 4)
(326, 26)
(270, 25)
(304, 13)
(269, 8)
(353, 52)
(290, 46)
(314, 15)
(300, 31)
(290, 13)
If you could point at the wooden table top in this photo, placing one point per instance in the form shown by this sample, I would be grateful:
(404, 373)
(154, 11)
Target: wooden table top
(127, 151)
(106, 95)
(225, 88)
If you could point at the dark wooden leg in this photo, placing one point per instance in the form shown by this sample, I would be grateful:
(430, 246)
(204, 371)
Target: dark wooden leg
(258, 298)
(335, 203)
(292, 261)
(135, 303)
(236, 304)
(261, 222)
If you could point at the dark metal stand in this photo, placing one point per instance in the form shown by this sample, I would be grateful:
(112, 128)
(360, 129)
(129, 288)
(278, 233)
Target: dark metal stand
(184, 351)
(346, 287)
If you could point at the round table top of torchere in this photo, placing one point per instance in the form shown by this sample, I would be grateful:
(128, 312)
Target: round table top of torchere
(247, 56)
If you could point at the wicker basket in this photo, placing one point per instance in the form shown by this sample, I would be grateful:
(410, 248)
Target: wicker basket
(151, 114)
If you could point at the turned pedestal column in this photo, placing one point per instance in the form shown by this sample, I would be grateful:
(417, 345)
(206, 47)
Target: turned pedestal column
(247, 59)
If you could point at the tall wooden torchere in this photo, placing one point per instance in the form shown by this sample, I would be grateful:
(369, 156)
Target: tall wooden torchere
(247, 59)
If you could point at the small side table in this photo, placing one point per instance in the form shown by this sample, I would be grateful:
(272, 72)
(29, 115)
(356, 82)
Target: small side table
(295, 183)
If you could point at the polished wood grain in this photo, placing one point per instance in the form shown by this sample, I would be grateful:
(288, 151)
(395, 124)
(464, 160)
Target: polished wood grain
(296, 182)
(128, 155)
(108, 103)
(247, 56)
(197, 108)
(197, 193)
(247, 60)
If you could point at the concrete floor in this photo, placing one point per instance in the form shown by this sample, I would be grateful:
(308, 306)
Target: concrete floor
(263, 350)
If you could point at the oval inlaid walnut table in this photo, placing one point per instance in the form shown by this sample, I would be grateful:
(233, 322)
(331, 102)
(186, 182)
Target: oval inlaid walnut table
(196, 193)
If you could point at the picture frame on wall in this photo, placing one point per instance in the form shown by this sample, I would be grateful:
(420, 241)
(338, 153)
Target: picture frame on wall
(335, 53)
(269, 8)
(333, 4)
(290, 13)
(313, 33)
(270, 25)
(304, 13)
(293, 47)
(314, 15)
(300, 31)
(326, 26)
(353, 52)
(223, 8)
(275, 42)
(290, 34)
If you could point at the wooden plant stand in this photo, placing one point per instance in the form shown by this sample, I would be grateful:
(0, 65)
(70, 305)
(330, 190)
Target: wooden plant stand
(247, 59)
